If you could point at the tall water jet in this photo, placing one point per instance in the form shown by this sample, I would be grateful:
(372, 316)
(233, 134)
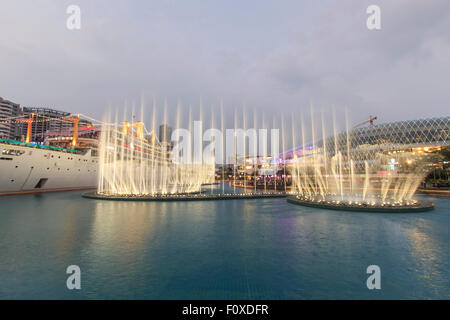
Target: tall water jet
(359, 178)
(132, 165)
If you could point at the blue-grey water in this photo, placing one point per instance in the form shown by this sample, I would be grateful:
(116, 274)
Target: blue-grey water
(234, 249)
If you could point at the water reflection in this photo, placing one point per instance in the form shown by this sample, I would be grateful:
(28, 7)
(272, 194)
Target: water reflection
(425, 250)
(263, 249)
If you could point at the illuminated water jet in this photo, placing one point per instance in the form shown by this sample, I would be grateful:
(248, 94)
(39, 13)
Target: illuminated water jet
(348, 177)
(131, 165)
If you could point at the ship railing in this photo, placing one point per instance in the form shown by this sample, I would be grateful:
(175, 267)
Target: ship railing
(40, 146)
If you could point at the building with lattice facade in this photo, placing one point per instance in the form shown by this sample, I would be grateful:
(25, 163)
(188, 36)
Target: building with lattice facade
(399, 135)
(364, 143)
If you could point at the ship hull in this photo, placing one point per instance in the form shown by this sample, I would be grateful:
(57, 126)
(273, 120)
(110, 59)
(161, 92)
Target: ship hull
(31, 170)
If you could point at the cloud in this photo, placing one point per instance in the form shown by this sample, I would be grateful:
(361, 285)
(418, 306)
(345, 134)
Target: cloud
(270, 57)
(399, 71)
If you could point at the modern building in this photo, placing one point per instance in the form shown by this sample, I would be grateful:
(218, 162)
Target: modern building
(8, 109)
(421, 135)
(48, 120)
(41, 123)
(165, 133)
(408, 134)
(259, 165)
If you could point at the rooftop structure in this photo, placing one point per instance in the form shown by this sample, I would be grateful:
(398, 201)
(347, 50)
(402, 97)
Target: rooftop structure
(365, 142)
(396, 135)
(43, 124)
(8, 109)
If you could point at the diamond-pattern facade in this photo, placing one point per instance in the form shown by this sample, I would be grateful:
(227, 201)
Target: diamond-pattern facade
(367, 141)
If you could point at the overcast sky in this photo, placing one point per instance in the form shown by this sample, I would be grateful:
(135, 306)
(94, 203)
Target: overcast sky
(272, 56)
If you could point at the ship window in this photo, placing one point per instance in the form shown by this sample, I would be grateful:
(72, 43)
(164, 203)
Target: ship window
(41, 183)
(12, 152)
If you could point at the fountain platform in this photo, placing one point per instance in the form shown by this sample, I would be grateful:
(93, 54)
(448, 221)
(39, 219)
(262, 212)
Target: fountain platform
(414, 206)
(185, 197)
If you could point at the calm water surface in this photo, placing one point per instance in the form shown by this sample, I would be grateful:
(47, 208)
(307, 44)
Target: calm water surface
(237, 249)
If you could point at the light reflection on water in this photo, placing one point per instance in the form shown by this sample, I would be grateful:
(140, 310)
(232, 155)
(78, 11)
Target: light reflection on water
(237, 249)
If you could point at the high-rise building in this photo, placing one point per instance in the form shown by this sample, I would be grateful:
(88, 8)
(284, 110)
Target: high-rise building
(42, 124)
(8, 109)
(165, 133)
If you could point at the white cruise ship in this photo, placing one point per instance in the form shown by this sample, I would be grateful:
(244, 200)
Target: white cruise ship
(31, 167)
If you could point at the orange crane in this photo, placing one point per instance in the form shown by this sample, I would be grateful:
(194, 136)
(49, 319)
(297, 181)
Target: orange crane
(75, 121)
(370, 121)
(29, 122)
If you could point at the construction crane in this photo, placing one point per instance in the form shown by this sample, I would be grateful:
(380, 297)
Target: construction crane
(29, 122)
(370, 121)
(75, 121)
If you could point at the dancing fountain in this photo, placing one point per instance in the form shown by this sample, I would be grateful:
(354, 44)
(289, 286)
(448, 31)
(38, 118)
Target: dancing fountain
(133, 165)
(334, 174)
